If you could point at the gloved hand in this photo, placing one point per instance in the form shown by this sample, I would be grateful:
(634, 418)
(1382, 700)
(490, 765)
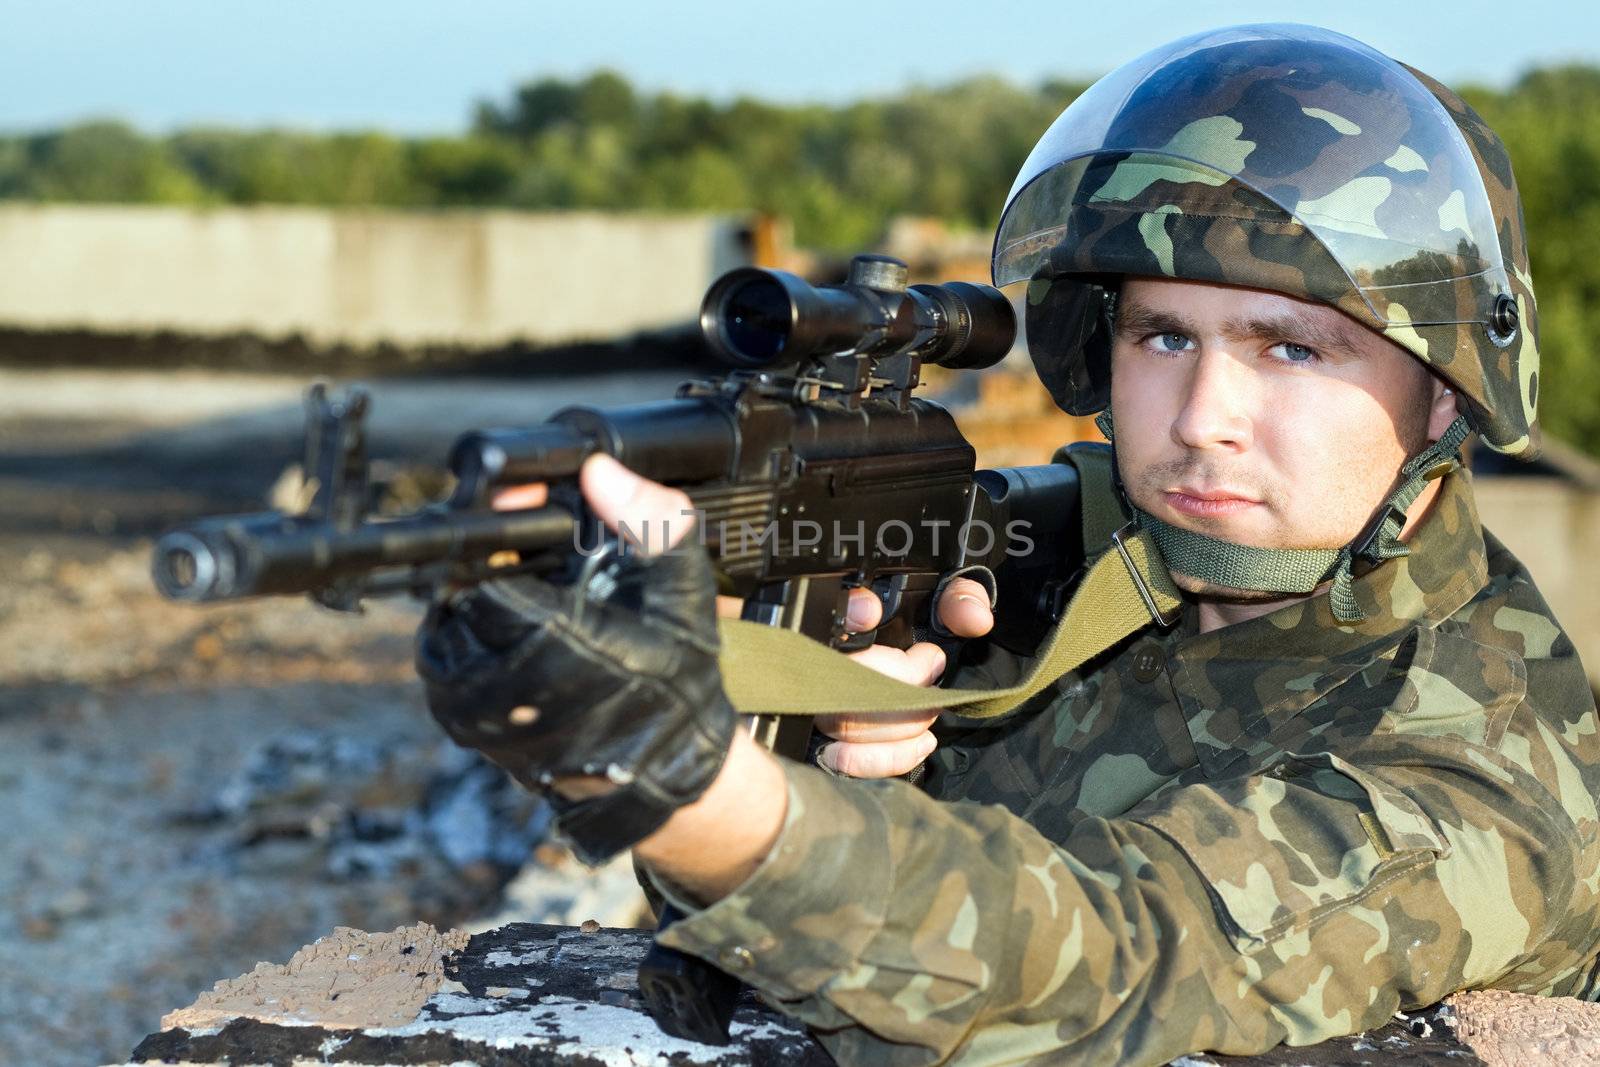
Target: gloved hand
(553, 684)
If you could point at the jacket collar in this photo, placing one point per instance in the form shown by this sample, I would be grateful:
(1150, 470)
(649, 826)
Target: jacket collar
(1256, 662)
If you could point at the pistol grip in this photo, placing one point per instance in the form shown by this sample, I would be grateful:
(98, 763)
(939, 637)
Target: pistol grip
(687, 997)
(908, 605)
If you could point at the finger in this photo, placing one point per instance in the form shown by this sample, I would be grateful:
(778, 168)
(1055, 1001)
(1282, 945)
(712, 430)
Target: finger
(582, 787)
(964, 608)
(921, 664)
(652, 520)
(877, 761)
(863, 611)
(649, 517)
(518, 497)
(897, 726)
(729, 607)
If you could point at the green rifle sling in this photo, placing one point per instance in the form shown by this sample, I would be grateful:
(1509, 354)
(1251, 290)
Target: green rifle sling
(772, 671)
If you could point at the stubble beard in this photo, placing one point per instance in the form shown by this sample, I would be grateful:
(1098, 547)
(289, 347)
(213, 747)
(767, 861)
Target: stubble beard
(1198, 587)
(1413, 433)
(1151, 484)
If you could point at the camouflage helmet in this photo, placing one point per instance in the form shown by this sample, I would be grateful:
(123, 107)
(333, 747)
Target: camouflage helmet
(1287, 158)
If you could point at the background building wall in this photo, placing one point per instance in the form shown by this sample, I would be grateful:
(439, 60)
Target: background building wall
(358, 277)
(1553, 526)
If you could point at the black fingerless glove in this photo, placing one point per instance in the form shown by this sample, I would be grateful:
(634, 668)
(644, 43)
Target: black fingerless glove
(551, 682)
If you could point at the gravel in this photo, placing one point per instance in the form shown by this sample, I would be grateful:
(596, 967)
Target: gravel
(190, 791)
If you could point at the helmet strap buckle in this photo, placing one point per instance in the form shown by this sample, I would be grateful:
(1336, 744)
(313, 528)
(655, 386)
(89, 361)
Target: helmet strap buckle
(1119, 542)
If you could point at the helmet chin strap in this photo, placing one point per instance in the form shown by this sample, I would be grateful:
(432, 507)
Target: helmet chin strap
(1301, 570)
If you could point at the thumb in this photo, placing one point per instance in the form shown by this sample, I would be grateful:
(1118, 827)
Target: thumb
(650, 520)
(647, 517)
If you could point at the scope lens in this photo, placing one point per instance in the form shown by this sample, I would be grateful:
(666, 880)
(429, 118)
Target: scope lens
(756, 319)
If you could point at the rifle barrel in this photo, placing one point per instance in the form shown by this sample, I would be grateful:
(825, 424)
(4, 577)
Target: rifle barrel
(272, 553)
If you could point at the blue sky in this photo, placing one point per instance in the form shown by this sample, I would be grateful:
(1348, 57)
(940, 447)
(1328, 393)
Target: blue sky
(416, 67)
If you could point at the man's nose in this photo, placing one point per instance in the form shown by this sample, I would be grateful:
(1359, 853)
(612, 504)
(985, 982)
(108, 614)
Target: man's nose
(1215, 403)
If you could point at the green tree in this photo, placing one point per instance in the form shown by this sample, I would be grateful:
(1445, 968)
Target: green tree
(463, 170)
(536, 107)
(1546, 120)
(840, 173)
(14, 167)
(602, 99)
(104, 161)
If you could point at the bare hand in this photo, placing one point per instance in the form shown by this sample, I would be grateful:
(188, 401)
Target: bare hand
(884, 746)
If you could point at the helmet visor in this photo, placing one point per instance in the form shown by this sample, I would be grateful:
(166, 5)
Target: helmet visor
(1346, 142)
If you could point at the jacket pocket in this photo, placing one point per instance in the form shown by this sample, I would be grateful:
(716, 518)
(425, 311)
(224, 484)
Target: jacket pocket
(1280, 849)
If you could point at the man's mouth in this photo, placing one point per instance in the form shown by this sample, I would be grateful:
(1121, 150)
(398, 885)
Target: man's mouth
(1207, 503)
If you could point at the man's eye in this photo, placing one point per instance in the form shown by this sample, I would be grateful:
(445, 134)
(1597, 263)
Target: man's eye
(1294, 353)
(1169, 342)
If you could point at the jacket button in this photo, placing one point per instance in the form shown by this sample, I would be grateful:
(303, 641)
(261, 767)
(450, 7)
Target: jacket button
(1147, 662)
(737, 958)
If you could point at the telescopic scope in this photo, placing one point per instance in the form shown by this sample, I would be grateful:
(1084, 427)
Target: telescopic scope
(755, 318)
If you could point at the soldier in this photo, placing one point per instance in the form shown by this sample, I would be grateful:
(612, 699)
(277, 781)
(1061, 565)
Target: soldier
(1355, 774)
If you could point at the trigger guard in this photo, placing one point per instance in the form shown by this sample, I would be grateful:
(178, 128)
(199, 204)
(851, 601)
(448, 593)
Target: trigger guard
(857, 641)
(977, 572)
(888, 590)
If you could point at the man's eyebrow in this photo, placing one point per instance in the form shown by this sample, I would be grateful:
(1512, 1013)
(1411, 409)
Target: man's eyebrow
(1296, 328)
(1138, 320)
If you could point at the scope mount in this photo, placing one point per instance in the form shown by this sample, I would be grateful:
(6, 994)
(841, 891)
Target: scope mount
(849, 376)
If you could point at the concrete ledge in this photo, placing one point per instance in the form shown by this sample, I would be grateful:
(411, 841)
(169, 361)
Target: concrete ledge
(534, 994)
(522, 994)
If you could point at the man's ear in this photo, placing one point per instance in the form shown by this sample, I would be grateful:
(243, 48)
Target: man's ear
(1443, 410)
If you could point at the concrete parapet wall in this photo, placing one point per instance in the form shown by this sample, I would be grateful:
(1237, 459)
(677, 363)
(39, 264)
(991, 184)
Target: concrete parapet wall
(358, 277)
(569, 997)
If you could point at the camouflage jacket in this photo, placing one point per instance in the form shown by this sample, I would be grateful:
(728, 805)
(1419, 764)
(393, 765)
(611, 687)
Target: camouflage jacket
(1281, 831)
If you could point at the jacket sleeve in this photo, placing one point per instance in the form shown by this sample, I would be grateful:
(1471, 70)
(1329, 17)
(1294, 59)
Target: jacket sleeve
(1302, 904)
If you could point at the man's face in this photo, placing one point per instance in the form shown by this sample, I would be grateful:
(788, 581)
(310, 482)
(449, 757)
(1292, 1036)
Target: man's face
(1259, 418)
